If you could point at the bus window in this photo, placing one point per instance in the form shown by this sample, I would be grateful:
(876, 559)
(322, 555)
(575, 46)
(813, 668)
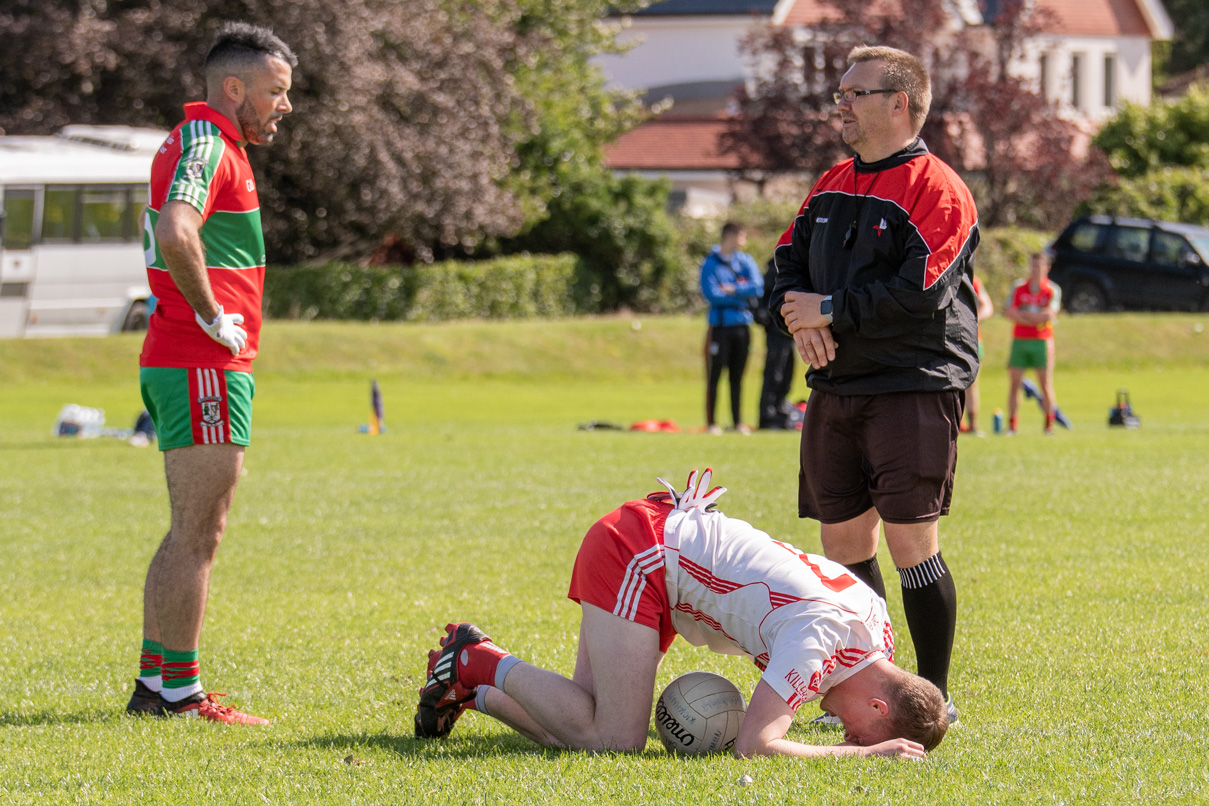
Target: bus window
(102, 212)
(58, 214)
(138, 202)
(18, 229)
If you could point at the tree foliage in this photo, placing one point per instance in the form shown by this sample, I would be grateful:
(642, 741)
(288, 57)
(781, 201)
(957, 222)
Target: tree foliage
(1007, 140)
(1162, 158)
(1140, 139)
(434, 124)
(1189, 48)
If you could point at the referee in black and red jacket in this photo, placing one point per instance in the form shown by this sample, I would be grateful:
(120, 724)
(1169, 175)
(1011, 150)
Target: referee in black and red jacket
(874, 283)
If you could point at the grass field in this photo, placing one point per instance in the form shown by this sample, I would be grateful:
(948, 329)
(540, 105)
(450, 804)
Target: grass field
(1081, 667)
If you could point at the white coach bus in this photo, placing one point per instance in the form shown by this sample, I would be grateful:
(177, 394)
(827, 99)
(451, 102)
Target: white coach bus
(71, 245)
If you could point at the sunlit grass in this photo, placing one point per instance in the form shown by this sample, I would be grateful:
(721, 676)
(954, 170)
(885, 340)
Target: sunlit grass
(1081, 669)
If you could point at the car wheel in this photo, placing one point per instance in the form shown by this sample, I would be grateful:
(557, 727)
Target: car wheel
(137, 317)
(1087, 298)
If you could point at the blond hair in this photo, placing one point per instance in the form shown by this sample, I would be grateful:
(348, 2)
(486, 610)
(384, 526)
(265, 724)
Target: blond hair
(917, 709)
(902, 73)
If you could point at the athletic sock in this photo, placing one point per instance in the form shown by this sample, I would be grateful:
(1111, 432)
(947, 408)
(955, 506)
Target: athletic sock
(930, 605)
(869, 573)
(479, 703)
(149, 664)
(1012, 424)
(182, 675)
(484, 663)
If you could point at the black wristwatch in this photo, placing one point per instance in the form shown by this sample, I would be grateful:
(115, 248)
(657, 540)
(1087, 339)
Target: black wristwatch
(825, 308)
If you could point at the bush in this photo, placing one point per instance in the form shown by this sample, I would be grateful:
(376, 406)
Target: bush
(1169, 193)
(513, 287)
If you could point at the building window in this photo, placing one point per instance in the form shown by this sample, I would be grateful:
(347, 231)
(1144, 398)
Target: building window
(1110, 80)
(1043, 76)
(1076, 80)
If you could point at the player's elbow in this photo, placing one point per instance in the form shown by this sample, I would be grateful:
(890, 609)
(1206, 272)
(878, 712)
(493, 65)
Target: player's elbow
(747, 746)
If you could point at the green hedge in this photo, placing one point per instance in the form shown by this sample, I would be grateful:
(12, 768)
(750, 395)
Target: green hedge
(512, 287)
(533, 286)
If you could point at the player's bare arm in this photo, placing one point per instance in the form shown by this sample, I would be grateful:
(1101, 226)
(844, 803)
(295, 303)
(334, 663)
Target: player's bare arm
(768, 720)
(178, 233)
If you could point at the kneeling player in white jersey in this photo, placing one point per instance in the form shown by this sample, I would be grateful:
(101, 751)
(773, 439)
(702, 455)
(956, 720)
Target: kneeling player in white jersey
(669, 565)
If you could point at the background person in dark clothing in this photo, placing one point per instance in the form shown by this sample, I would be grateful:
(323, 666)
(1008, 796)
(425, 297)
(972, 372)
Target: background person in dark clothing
(874, 282)
(730, 280)
(778, 360)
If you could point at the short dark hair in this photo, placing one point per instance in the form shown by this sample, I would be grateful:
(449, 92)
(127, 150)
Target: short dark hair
(731, 228)
(239, 45)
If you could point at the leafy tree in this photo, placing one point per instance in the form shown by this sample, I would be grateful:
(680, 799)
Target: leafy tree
(1189, 47)
(1140, 139)
(1162, 158)
(430, 126)
(994, 128)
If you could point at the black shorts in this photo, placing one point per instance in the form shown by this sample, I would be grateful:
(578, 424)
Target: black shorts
(896, 452)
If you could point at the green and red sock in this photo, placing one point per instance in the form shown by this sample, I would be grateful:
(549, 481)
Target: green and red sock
(149, 664)
(182, 675)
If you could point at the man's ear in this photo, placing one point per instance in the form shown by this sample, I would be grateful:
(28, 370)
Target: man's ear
(879, 705)
(233, 88)
(901, 104)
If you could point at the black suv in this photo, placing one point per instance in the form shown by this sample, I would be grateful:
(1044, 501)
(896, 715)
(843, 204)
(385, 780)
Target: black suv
(1104, 263)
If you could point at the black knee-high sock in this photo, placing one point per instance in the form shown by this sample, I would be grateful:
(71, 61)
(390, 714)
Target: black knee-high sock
(869, 573)
(930, 604)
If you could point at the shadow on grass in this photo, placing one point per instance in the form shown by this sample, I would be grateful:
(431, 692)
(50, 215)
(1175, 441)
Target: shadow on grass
(403, 745)
(476, 747)
(26, 720)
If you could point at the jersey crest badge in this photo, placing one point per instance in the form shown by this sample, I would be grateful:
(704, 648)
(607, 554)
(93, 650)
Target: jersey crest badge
(882, 227)
(194, 169)
(211, 410)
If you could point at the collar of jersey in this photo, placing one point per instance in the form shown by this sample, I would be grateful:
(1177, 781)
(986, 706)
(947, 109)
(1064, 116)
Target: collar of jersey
(200, 110)
(917, 149)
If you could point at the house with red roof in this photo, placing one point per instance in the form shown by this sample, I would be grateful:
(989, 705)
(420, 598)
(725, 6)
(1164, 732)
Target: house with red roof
(684, 57)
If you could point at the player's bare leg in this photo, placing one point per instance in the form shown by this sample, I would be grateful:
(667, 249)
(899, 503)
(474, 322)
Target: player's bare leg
(854, 540)
(605, 706)
(1015, 381)
(1045, 380)
(201, 488)
(151, 621)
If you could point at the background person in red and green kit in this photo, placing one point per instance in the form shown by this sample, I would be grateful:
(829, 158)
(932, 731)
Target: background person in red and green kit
(205, 264)
(1033, 305)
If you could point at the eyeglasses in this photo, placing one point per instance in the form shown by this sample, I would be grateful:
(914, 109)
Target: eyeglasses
(848, 96)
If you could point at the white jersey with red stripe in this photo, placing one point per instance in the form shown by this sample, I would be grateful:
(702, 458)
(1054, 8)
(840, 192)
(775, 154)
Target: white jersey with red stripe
(805, 620)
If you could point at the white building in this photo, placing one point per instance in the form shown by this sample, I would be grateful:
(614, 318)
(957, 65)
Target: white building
(1092, 55)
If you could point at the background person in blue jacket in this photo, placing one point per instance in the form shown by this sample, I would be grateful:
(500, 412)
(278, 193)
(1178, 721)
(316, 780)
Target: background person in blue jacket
(730, 281)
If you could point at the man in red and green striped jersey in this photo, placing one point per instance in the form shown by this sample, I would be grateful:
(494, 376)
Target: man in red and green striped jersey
(205, 262)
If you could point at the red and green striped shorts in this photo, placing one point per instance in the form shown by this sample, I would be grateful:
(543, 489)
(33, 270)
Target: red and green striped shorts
(198, 406)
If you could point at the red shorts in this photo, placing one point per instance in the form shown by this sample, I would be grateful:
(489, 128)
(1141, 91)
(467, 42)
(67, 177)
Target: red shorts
(619, 567)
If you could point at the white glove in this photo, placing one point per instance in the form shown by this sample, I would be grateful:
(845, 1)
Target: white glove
(225, 329)
(693, 497)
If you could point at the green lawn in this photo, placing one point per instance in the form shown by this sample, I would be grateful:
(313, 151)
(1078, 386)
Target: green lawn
(1081, 667)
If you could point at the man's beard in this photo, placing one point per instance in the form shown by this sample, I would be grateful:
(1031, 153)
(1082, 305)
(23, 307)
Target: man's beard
(250, 125)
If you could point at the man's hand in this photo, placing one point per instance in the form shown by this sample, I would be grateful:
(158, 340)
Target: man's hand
(801, 309)
(816, 345)
(894, 748)
(225, 329)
